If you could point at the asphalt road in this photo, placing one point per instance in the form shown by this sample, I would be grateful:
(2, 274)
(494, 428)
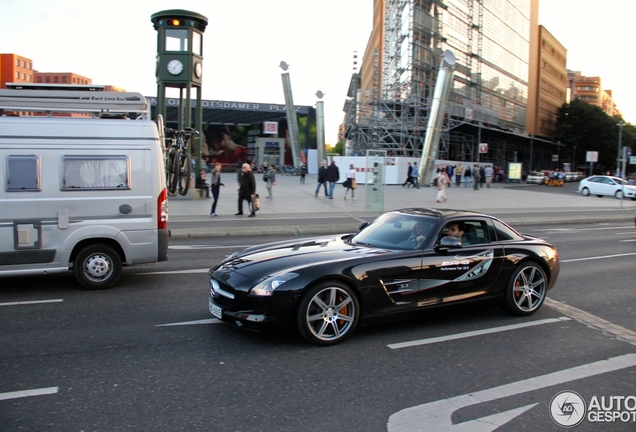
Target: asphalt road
(147, 356)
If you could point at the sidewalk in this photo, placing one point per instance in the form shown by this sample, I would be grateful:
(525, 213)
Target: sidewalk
(517, 204)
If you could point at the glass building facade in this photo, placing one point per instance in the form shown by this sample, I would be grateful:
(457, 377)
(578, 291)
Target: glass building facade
(490, 40)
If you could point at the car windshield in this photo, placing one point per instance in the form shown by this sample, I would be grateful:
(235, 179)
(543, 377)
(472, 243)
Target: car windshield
(397, 231)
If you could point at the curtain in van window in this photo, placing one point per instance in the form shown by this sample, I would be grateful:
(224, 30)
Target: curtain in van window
(102, 173)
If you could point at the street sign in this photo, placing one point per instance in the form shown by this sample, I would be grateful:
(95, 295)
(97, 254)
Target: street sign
(483, 147)
(591, 156)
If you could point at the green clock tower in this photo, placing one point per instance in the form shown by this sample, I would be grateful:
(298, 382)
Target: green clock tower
(180, 64)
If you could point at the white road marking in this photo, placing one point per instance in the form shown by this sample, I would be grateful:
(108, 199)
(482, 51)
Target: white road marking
(567, 230)
(598, 257)
(31, 302)
(203, 321)
(28, 393)
(593, 321)
(437, 416)
(475, 333)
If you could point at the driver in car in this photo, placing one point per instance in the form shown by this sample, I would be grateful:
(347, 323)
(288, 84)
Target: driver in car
(420, 231)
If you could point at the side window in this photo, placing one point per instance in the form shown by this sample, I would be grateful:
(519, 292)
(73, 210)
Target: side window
(95, 172)
(22, 173)
(504, 232)
(475, 232)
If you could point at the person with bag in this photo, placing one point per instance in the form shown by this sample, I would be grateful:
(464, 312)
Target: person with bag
(247, 189)
(271, 181)
(442, 182)
(350, 182)
(215, 187)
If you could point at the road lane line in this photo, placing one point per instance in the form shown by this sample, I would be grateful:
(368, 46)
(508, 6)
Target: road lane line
(31, 302)
(598, 257)
(28, 393)
(593, 321)
(203, 321)
(475, 333)
(437, 416)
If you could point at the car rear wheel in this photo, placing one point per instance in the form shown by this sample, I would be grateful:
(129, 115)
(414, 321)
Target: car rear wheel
(97, 267)
(328, 313)
(527, 289)
(585, 192)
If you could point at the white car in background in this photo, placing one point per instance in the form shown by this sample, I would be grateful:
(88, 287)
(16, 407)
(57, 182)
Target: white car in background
(602, 185)
(537, 177)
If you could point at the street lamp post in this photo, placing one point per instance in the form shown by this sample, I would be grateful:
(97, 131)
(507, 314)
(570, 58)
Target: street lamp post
(618, 155)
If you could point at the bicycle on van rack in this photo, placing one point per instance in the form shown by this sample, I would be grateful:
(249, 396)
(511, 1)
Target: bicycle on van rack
(178, 160)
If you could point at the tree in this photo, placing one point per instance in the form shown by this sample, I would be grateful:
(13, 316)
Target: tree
(589, 129)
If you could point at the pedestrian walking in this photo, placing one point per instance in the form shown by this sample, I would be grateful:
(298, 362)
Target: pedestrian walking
(322, 179)
(489, 174)
(247, 188)
(350, 182)
(332, 176)
(482, 176)
(458, 174)
(467, 175)
(442, 182)
(215, 186)
(450, 170)
(303, 173)
(475, 172)
(271, 181)
(415, 174)
(409, 171)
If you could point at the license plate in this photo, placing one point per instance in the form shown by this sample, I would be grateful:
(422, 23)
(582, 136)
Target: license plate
(215, 310)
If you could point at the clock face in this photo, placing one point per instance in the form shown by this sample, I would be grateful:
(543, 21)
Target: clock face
(175, 67)
(198, 69)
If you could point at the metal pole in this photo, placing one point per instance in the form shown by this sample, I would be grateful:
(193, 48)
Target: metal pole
(320, 131)
(618, 154)
(292, 121)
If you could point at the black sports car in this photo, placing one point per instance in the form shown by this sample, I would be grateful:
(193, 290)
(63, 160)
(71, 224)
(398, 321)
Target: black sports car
(404, 260)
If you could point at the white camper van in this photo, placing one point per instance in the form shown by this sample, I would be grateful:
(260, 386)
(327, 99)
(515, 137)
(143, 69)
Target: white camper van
(85, 193)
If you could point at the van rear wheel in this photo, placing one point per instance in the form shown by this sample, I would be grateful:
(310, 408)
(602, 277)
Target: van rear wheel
(97, 267)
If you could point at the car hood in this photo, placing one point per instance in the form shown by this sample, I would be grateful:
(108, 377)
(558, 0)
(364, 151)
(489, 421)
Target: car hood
(270, 258)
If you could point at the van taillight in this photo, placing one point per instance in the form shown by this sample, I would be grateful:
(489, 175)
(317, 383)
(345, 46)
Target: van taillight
(162, 210)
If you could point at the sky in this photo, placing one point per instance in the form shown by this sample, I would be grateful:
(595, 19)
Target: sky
(115, 43)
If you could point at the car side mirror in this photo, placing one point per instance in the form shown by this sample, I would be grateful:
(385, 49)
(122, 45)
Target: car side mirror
(363, 225)
(447, 243)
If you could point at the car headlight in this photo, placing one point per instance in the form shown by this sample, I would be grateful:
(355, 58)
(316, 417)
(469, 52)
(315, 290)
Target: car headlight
(270, 283)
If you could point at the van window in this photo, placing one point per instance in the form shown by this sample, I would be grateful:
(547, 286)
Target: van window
(95, 172)
(22, 173)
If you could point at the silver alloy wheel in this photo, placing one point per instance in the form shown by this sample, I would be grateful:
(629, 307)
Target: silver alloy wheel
(330, 314)
(585, 191)
(529, 289)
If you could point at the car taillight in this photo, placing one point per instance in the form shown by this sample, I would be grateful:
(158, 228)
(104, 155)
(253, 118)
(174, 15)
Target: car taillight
(162, 210)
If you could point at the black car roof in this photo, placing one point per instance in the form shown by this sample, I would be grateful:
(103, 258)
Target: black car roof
(439, 213)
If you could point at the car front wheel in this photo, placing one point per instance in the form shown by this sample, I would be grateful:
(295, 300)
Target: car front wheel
(328, 313)
(526, 290)
(97, 267)
(585, 192)
(619, 194)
